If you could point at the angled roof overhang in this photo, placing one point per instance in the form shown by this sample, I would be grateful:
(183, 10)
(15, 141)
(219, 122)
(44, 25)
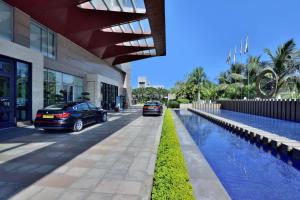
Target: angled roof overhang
(110, 29)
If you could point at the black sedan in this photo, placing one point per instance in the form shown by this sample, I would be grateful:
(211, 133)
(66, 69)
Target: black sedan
(74, 116)
(153, 108)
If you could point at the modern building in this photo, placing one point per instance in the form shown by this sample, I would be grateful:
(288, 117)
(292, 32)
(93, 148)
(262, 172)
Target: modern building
(54, 50)
(143, 82)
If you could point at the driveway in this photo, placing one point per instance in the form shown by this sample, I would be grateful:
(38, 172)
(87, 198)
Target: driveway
(112, 160)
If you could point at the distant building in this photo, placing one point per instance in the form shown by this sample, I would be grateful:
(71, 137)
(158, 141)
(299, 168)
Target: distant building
(143, 82)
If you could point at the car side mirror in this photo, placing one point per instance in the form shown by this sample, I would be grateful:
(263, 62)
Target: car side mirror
(99, 108)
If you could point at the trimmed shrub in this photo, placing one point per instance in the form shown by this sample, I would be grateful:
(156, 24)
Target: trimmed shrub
(183, 101)
(173, 104)
(171, 179)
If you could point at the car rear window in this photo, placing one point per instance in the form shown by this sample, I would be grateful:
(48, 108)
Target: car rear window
(152, 104)
(56, 107)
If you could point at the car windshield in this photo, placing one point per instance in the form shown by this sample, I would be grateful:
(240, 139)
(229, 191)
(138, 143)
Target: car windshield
(152, 104)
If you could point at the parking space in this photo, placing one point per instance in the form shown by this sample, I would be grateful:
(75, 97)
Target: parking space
(112, 160)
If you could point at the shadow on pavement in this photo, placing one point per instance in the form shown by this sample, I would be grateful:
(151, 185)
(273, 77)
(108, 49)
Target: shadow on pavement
(20, 171)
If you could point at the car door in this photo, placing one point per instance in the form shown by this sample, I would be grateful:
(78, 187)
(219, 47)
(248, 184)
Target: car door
(93, 113)
(85, 112)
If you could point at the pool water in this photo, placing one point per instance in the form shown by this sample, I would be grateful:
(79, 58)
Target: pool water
(245, 170)
(280, 127)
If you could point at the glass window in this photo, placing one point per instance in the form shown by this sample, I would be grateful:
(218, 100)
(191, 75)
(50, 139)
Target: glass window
(35, 37)
(78, 90)
(4, 87)
(42, 40)
(60, 87)
(92, 106)
(83, 107)
(68, 79)
(5, 21)
(5, 67)
(109, 94)
(51, 45)
(23, 91)
(78, 81)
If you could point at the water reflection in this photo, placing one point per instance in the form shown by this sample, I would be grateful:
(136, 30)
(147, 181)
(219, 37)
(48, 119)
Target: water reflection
(248, 170)
(280, 127)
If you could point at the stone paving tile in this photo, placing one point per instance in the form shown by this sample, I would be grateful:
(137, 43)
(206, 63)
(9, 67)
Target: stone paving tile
(125, 197)
(100, 196)
(86, 183)
(48, 194)
(76, 171)
(61, 181)
(27, 193)
(114, 160)
(129, 187)
(74, 195)
(108, 186)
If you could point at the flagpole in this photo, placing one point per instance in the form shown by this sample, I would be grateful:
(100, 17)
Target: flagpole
(246, 53)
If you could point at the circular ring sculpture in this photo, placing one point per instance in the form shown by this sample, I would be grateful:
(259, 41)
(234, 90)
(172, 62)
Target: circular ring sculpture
(266, 83)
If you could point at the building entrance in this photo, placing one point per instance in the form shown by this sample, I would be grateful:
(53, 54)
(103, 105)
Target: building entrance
(7, 89)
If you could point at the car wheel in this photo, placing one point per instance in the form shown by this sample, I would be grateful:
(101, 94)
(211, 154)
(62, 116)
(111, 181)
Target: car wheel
(78, 125)
(104, 117)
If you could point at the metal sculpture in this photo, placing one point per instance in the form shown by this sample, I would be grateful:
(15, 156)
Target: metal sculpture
(267, 83)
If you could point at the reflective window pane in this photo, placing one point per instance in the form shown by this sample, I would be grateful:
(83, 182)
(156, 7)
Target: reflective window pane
(68, 79)
(22, 91)
(44, 42)
(5, 67)
(51, 45)
(61, 88)
(4, 87)
(5, 21)
(35, 37)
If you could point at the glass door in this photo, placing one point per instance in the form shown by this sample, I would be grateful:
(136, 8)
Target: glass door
(7, 115)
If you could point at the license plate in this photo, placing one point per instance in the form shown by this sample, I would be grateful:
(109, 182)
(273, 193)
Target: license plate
(151, 107)
(48, 116)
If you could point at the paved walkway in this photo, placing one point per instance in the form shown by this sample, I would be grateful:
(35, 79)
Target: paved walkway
(113, 160)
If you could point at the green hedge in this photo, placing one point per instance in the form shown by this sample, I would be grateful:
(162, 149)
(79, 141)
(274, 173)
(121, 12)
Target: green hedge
(171, 179)
(183, 101)
(173, 104)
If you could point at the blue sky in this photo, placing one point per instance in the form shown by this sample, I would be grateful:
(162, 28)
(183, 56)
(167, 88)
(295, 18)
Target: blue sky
(201, 32)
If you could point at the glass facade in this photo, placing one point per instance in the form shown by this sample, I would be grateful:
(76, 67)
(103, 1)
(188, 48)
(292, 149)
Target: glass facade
(6, 92)
(42, 40)
(23, 92)
(15, 91)
(109, 94)
(60, 87)
(5, 21)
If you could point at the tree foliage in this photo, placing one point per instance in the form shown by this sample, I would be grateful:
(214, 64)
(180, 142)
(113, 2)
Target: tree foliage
(143, 95)
(239, 81)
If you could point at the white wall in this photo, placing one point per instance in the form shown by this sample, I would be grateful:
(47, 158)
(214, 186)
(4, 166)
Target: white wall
(19, 52)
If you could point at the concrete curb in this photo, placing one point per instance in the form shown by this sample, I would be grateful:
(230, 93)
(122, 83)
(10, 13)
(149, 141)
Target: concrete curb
(206, 184)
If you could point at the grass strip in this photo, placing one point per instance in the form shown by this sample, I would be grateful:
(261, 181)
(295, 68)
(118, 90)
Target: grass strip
(171, 179)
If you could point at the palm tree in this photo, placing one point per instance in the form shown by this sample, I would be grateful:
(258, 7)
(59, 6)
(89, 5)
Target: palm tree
(254, 66)
(197, 78)
(285, 61)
